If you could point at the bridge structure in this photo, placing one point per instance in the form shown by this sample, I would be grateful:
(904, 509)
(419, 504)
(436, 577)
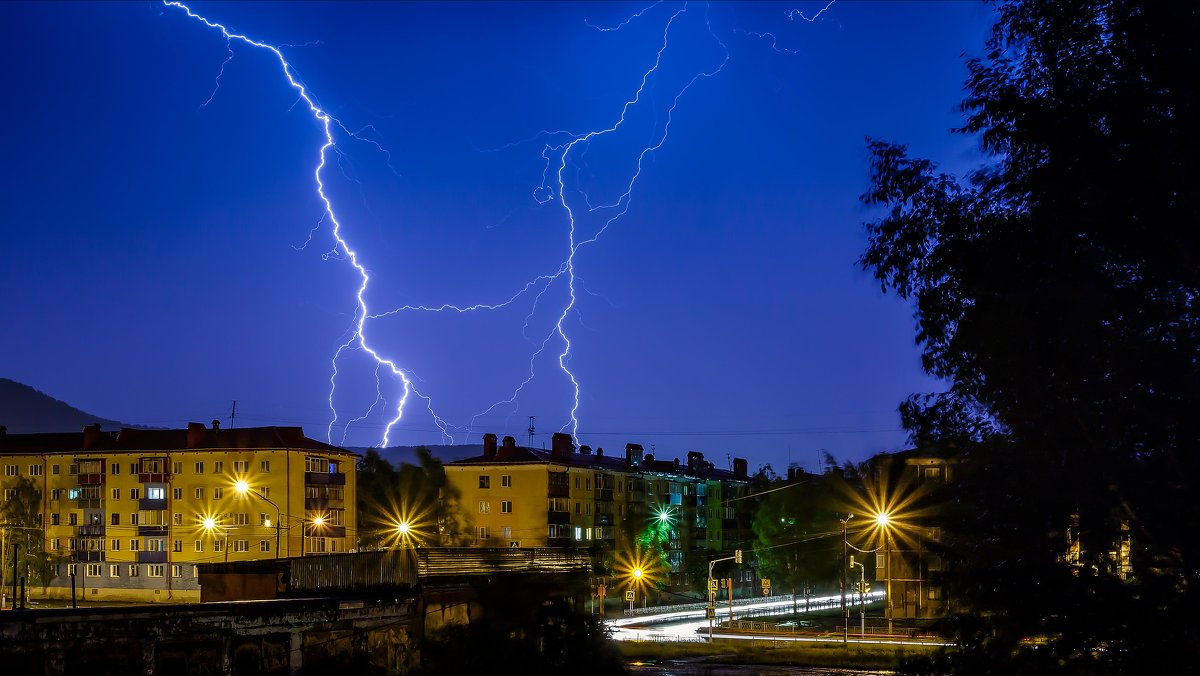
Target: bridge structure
(285, 616)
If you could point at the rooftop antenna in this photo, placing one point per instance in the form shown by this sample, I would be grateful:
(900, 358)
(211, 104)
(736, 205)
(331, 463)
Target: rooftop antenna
(529, 444)
(233, 414)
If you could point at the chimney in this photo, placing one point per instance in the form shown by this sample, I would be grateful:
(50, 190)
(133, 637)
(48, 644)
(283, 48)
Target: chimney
(195, 435)
(739, 468)
(216, 425)
(695, 461)
(585, 449)
(600, 452)
(561, 447)
(791, 474)
(633, 455)
(91, 436)
(489, 446)
(509, 442)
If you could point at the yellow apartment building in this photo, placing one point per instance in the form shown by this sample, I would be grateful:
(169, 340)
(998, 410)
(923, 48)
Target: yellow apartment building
(567, 497)
(129, 514)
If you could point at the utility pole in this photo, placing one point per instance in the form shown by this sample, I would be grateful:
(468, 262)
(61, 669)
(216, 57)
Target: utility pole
(845, 558)
(233, 414)
(529, 444)
(711, 610)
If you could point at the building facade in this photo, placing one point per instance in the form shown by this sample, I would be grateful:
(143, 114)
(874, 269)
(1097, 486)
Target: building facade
(574, 497)
(129, 514)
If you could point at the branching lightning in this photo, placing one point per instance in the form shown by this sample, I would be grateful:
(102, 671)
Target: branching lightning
(328, 122)
(560, 150)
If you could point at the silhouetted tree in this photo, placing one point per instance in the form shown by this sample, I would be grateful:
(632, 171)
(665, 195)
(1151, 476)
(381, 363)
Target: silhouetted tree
(22, 517)
(417, 495)
(1056, 290)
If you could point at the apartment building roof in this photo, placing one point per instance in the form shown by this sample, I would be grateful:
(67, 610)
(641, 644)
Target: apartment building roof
(196, 437)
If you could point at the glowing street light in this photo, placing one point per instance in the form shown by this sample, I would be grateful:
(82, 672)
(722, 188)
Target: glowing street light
(210, 525)
(403, 528)
(241, 487)
(885, 523)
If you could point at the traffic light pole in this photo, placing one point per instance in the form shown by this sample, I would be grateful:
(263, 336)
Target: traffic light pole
(711, 611)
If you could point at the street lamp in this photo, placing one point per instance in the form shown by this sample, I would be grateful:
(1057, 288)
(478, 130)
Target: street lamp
(884, 521)
(243, 488)
(316, 522)
(210, 524)
(845, 557)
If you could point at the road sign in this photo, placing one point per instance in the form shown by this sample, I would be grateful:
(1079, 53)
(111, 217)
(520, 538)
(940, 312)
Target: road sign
(766, 591)
(712, 585)
(766, 583)
(737, 556)
(712, 598)
(629, 595)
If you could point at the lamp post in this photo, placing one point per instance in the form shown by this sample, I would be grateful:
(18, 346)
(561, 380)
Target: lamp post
(210, 525)
(845, 557)
(316, 522)
(711, 612)
(884, 522)
(243, 488)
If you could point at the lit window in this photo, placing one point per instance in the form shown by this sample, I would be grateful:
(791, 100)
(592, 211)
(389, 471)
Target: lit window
(485, 507)
(578, 532)
(156, 493)
(506, 532)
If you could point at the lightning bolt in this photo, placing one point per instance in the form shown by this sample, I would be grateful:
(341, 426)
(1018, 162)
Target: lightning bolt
(792, 14)
(560, 149)
(358, 338)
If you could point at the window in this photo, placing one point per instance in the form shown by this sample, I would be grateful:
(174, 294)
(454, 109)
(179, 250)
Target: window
(559, 505)
(74, 519)
(156, 545)
(10, 470)
(578, 533)
(35, 470)
(506, 480)
(241, 466)
(485, 507)
(116, 519)
(576, 482)
(177, 493)
(506, 532)
(559, 531)
(219, 466)
(116, 545)
(93, 570)
(134, 493)
(133, 546)
(218, 492)
(177, 546)
(176, 570)
(55, 544)
(485, 481)
(56, 493)
(133, 519)
(933, 473)
(483, 533)
(133, 570)
(577, 508)
(200, 468)
(72, 568)
(266, 491)
(114, 570)
(199, 545)
(177, 467)
(156, 493)
(116, 494)
(241, 545)
(588, 533)
(263, 520)
(218, 545)
(156, 570)
(54, 519)
(265, 465)
(176, 519)
(116, 468)
(200, 493)
(506, 506)
(241, 519)
(73, 469)
(589, 509)
(54, 469)
(264, 546)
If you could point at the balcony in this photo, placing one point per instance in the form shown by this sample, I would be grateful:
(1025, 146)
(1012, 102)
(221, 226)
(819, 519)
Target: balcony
(326, 531)
(152, 530)
(90, 479)
(152, 504)
(88, 503)
(604, 495)
(93, 530)
(87, 557)
(324, 479)
(558, 517)
(559, 490)
(152, 477)
(151, 557)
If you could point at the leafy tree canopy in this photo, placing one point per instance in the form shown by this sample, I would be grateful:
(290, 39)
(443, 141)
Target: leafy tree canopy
(1056, 290)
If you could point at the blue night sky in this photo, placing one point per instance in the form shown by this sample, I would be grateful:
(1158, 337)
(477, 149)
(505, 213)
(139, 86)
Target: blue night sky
(167, 252)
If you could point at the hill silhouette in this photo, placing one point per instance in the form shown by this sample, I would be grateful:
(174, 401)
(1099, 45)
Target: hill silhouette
(24, 410)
